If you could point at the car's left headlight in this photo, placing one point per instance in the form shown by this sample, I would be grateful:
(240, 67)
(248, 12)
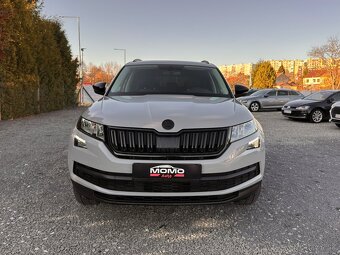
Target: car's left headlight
(304, 107)
(243, 130)
(242, 101)
(91, 128)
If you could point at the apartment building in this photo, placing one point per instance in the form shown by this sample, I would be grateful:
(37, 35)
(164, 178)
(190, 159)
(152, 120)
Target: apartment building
(294, 66)
(234, 69)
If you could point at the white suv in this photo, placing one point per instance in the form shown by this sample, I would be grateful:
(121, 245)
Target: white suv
(335, 114)
(167, 132)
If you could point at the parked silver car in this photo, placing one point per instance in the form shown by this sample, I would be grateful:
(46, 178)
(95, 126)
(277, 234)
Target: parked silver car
(269, 99)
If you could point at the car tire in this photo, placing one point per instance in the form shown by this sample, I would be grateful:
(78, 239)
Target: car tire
(254, 107)
(81, 198)
(338, 125)
(316, 116)
(251, 198)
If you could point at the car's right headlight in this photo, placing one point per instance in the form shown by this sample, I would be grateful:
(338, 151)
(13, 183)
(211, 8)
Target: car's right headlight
(304, 107)
(91, 128)
(243, 130)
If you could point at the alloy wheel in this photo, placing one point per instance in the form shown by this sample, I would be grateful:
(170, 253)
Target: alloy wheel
(317, 116)
(254, 107)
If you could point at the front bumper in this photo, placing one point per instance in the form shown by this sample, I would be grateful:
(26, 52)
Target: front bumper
(293, 113)
(335, 115)
(336, 121)
(158, 200)
(245, 103)
(98, 157)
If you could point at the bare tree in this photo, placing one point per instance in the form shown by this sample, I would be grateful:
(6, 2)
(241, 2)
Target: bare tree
(330, 55)
(111, 69)
(105, 72)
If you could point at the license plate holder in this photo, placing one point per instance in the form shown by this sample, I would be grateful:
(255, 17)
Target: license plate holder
(287, 111)
(166, 172)
(337, 116)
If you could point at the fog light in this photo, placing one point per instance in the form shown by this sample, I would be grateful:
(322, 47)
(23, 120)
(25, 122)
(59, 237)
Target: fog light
(79, 142)
(256, 143)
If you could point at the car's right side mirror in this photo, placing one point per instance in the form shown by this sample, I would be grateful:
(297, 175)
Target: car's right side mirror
(99, 88)
(240, 90)
(330, 100)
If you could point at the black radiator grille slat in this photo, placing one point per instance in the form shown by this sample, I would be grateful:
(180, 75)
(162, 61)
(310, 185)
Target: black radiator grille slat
(136, 143)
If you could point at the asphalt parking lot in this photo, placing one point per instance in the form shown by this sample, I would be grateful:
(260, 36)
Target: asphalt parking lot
(298, 211)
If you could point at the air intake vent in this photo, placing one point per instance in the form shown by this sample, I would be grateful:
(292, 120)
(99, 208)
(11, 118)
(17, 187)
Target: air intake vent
(144, 143)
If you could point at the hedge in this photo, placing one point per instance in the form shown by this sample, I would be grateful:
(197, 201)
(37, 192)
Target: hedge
(37, 72)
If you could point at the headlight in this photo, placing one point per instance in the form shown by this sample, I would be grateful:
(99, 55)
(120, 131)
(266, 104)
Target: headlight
(304, 107)
(243, 130)
(91, 128)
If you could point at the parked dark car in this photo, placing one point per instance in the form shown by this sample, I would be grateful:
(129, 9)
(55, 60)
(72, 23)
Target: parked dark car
(269, 99)
(335, 114)
(314, 107)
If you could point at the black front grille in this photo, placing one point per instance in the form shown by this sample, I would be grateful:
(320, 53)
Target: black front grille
(125, 182)
(147, 143)
(335, 110)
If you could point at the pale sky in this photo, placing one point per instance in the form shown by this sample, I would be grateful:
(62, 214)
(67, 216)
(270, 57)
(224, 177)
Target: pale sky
(220, 31)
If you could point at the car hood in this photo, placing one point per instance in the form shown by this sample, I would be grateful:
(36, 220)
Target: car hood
(149, 111)
(246, 97)
(300, 102)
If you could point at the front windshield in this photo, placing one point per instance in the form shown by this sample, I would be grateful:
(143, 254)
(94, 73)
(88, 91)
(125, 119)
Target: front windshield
(319, 96)
(170, 79)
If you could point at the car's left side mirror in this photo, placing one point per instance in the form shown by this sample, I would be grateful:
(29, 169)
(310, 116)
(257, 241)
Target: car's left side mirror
(240, 90)
(99, 88)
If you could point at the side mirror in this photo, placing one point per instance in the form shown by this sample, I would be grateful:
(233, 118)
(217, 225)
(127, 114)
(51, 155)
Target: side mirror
(266, 95)
(240, 89)
(330, 100)
(99, 88)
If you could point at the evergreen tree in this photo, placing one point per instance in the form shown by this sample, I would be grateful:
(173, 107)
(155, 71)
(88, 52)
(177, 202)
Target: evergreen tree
(281, 69)
(37, 72)
(263, 75)
(305, 69)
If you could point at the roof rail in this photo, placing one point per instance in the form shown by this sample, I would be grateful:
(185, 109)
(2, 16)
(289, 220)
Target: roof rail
(136, 60)
(205, 61)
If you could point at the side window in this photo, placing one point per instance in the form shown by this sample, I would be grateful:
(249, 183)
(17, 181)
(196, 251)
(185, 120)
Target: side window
(293, 93)
(271, 93)
(282, 93)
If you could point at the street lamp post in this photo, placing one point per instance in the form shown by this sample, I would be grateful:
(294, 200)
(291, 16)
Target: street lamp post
(82, 65)
(124, 54)
(80, 57)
